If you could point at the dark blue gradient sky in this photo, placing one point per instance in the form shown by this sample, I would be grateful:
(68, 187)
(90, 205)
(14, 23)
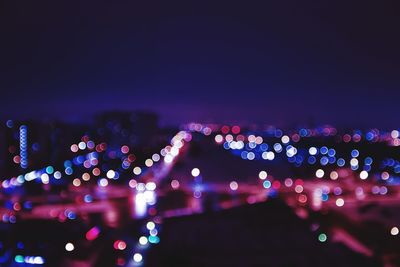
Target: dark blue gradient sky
(284, 62)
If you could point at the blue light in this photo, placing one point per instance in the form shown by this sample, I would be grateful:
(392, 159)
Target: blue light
(93, 155)
(312, 160)
(303, 132)
(49, 169)
(36, 147)
(278, 147)
(10, 124)
(23, 146)
(88, 198)
(251, 156)
(67, 164)
(368, 161)
(323, 150)
(354, 167)
(71, 215)
(154, 239)
(324, 160)
(20, 245)
(28, 205)
(299, 159)
(19, 259)
(12, 219)
(367, 168)
(263, 147)
(278, 133)
(266, 184)
(79, 160)
(331, 152)
(341, 162)
(369, 136)
(68, 171)
(397, 169)
(226, 145)
(355, 153)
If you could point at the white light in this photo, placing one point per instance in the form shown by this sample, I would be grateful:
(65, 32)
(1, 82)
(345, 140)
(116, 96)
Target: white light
(140, 205)
(38, 260)
(45, 178)
(140, 187)
(291, 151)
(150, 197)
(239, 145)
(195, 172)
(69, 247)
(268, 155)
(394, 231)
(364, 175)
(155, 157)
(395, 134)
(34, 260)
(110, 174)
(285, 139)
(262, 175)
(137, 257)
(151, 186)
(319, 173)
(150, 225)
(148, 163)
(312, 150)
(219, 139)
(168, 158)
(174, 151)
(137, 170)
(339, 202)
(334, 175)
(233, 185)
(143, 240)
(103, 182)
(57, 175)
(354, 162)
(82, 145)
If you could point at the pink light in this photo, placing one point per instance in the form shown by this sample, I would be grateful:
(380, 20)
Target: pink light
(93, 233)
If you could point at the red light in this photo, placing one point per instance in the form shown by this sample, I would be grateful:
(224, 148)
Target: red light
(346, 138)
(120, 261)
(119, 245)
(131, 158)
(298, 182)
(17, 159)
(235, 129)
(17, 206)
(152, 211)
(225, 129)
(276, 185)
(302, 198)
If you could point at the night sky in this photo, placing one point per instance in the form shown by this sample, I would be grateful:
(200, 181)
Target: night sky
(285, 62)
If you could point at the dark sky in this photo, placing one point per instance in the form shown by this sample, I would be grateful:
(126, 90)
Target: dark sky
(279, 62)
